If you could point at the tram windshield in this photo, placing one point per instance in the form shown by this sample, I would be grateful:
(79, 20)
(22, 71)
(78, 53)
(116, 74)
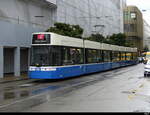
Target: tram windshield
(40, 56)
(55, 56)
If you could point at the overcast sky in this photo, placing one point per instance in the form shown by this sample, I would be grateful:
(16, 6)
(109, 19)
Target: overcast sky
(142, 5)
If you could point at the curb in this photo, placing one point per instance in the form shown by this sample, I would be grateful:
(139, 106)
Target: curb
(8, 81)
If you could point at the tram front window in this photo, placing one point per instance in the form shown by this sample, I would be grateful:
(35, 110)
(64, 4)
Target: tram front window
(40, 56)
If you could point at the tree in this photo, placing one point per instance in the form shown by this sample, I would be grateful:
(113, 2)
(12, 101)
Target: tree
(66, 30)
(76, 31)
(117, 39)
(96, 37)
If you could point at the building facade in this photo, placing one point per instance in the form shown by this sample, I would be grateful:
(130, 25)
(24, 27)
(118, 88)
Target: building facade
(101, 16)
(24, 17)
(133, 26)
(17, 22)
(146, 36)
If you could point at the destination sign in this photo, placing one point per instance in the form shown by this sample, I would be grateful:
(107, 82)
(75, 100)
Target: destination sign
(41, 39)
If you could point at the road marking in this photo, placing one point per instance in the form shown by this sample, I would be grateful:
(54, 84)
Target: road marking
(141, 86)
(131, 96)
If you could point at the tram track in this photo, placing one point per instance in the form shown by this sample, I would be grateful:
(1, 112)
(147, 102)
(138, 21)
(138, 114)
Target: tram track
(43, 90)
(43, 97)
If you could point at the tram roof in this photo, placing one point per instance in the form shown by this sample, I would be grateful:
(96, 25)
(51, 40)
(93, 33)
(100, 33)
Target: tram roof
(60, 40)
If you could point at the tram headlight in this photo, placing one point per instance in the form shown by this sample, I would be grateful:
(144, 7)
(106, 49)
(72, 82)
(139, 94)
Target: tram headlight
(31, 69)
(45, 69)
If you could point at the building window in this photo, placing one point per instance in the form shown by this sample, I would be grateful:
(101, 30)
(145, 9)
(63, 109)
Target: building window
(133, 15)
(126, 15)
(130, 28)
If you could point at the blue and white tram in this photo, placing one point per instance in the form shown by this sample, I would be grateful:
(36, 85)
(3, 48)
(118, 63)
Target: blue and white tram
(55, 56)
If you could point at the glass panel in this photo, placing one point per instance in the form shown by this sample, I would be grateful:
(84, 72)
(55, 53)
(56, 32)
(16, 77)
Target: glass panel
(56, 56)
(72, 56)
(128, 56)
(40, 56)
(107, 56)
(100, 57)
(115, 56)
(66, 56)
(123, 56)
(92, 56)
(76, 56)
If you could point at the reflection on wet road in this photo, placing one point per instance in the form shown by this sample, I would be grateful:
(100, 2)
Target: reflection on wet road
(129, 81)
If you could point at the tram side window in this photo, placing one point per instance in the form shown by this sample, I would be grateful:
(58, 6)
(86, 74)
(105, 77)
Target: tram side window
(131, 56)
(76, 55)
(134, 56)
(107, 56)
(92, 56)
(56, 56)
(128, 56)
(123, 56)
(100, 56)
(72, 56)
(115, 56)
(118, 56)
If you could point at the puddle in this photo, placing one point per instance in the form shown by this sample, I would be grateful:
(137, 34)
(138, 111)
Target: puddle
(50, 88)
(13, 95)
(26, 85)
(9, 88)
(24, 93)
(9, 95)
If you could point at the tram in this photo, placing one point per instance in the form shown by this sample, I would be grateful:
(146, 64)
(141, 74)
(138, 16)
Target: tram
(55, 56)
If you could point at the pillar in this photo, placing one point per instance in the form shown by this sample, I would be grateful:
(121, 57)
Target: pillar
(1, 62)
(17, 61)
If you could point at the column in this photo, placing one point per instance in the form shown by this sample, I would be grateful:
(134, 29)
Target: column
(1, 62)
(17, 61)
(29, 53)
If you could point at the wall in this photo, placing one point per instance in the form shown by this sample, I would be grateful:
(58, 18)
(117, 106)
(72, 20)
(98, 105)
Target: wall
(134, 33)
(88, 13)
(146, 37)
(18, 20)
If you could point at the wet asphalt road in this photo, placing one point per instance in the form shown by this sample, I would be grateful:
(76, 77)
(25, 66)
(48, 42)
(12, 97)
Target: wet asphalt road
(120, 90)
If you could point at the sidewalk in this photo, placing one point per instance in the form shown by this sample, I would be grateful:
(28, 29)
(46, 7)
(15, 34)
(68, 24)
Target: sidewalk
(12, 78)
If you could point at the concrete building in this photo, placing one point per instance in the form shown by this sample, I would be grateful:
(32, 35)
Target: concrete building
(146, 37)
(133, 26)
(101, 16)
(18, 19)
(22, 17)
